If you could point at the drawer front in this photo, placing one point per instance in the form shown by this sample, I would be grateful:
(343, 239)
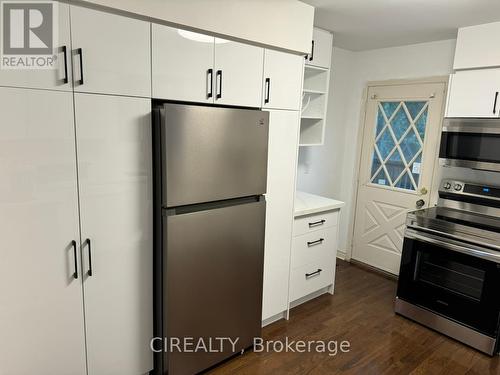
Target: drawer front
(309, 247)
(307, 279)
(310, 223)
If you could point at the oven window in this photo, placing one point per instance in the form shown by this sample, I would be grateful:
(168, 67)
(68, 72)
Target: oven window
(450, 275)
(470, 146)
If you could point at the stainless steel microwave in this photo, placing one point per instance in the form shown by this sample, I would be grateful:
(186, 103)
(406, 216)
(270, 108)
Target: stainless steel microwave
(471, 143)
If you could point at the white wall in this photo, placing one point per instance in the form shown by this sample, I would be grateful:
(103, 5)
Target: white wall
(285, 24)
(330, 170)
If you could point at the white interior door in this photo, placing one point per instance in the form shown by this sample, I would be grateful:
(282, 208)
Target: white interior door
(115, 53)
(59, 78)
(281, 169)
(182, 63)
(41, 303)
(400, 145)
(115, 176)
(238, 73)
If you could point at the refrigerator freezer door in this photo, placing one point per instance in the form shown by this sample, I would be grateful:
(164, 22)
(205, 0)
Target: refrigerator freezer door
(212, 153)
(213, 281)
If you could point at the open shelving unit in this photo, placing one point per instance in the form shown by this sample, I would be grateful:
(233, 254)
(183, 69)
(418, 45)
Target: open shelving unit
(314, 105)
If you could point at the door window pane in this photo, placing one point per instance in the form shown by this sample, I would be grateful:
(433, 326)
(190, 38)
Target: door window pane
(399, 139)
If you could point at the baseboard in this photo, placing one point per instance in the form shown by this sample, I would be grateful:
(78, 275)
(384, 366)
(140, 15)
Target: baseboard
(300, 301)
(341, 254)
(372, 269)
(273, 319)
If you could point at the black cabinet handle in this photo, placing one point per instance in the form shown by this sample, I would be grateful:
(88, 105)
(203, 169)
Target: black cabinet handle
(317, 242)
(219, 84)
(495, 104)
(312, 52)
(79, 52)
(315, 273)
(88, 243)
(75, 274)
(316, 223)
(210, 84)
(268, 89)
(65, 54)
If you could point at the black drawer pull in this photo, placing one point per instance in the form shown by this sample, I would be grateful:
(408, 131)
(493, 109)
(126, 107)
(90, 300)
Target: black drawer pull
(315, 273)
(316, 223)
(495, 104)
(65, 53)
(317, 242)
(89, 272)
(210, 84)
(75, 274)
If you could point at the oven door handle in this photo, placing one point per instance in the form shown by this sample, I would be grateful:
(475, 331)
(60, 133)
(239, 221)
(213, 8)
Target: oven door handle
(454, 245)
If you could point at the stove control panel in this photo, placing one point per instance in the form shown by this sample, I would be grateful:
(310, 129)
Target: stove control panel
(459, 188)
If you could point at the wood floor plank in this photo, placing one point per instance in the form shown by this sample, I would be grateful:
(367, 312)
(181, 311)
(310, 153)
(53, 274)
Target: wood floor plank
(361, 312)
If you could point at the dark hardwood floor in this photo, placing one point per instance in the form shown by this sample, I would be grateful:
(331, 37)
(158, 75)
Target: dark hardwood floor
(361, 312)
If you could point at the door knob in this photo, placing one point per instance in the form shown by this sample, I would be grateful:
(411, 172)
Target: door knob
(420, 203)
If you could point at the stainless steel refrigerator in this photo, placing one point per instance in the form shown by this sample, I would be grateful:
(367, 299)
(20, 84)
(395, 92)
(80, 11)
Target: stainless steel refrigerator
(210, 168)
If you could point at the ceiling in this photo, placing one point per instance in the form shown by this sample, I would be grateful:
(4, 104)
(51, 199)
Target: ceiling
(368, 24)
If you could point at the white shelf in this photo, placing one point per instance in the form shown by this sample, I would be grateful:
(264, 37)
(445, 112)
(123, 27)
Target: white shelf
(318, 92)
(311, 118)
(318, 68)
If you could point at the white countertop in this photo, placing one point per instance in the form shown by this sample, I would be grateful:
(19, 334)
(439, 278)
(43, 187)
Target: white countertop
(307, 204)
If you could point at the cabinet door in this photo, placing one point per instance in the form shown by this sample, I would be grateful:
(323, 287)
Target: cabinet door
(114, 165)
(474, 93)
(41, 303)
(238, 73)
(182, 64)
(114, 52)
(60, 77)
(477, 47)
(282, 80)
(321, 49)
(282, 162)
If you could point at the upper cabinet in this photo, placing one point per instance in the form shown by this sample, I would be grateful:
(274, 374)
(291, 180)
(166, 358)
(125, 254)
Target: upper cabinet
(238, 73)
(111, 53)
(282, 80)
(477, 47)
(474, 93)
(321, 49)
(58, 78)
(199, 68)
(182, 63)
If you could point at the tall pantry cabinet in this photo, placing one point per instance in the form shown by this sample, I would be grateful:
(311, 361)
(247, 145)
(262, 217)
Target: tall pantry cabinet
(76, 201)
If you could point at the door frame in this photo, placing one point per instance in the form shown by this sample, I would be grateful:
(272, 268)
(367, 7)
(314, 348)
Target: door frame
(359, 145)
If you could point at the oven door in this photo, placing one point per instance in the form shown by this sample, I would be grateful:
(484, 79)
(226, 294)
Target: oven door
(451, 278)
(471, 143)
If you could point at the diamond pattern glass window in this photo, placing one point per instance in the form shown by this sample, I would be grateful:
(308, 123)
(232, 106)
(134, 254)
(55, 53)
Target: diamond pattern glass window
(399, 142)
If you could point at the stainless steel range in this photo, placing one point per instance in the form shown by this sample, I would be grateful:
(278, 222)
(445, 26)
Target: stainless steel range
(450, 266)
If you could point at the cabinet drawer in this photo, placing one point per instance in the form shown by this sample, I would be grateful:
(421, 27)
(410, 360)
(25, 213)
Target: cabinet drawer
(311, 277)
(319, 244)
(310, 223)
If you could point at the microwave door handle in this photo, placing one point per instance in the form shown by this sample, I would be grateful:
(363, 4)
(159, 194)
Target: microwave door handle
(453, 245)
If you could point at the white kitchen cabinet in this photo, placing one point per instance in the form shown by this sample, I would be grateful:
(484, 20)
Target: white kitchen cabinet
(115, 177)
(41, 304)
(59, 78)
(477, 47)
(238, 73)
(282, 161)
(474, 93)
(314, 248)
(111, 53)
(321, 49)
(182, 64)
(282, 80)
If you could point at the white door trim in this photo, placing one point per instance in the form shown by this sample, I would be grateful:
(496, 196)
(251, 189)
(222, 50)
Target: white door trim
(359, 143)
